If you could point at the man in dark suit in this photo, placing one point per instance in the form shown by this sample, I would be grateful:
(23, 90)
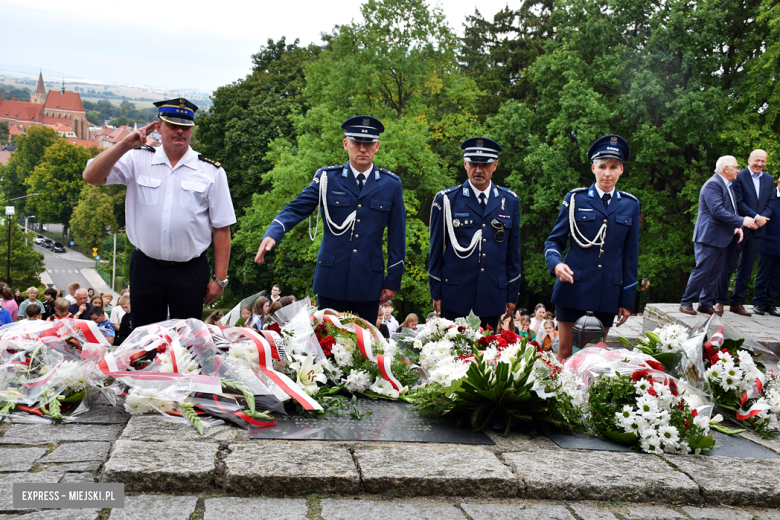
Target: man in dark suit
(768, 279)
(754, 191)
(716, 225)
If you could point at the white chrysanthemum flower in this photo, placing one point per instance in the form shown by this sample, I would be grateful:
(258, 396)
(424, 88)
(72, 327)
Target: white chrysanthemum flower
(652, 444)
(185, 364)
(144, 400)
(347, 343)
(647, 404)
(245, 354)
(669, 435)
(342, 356)
(715, 372)
(729, 383)
(358, 381)
(383, 387)
(642, 386)
(73, 377)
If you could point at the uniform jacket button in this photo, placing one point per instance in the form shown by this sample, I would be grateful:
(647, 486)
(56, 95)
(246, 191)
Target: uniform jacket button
(357, 236)
(483, 225)
(484, 239)
(446, 279)
(337, 202)
(605, 221)
(482, 270)
(483, 255)
(358, 221)
(360, 206)
(355, 251)
(599, 267)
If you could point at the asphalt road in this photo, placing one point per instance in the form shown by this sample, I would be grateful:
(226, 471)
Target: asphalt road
(64, 268)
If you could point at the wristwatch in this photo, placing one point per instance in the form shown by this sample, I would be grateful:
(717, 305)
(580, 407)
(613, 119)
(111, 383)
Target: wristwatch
(221, 283)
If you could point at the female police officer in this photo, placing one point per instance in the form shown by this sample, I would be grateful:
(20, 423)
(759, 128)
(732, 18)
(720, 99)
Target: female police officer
(599, 272)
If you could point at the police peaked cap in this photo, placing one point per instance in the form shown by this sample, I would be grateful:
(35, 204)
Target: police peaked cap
(177, 111)
(609, 147)
(480, 150)
(363, 129)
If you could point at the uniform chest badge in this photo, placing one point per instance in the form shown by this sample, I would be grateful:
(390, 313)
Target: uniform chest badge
(503, 202)
(465, 192)
(456, 223)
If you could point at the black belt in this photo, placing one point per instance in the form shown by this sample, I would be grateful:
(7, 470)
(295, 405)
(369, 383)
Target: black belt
(167, 263)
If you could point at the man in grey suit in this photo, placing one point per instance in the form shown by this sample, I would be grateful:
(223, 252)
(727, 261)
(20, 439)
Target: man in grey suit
(754, 191)
(716, 225)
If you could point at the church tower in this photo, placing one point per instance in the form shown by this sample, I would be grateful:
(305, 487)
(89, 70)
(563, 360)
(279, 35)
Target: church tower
(39, 96)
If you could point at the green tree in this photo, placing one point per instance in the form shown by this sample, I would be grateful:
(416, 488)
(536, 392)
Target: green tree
(120, 121)
(57, 178)
(400, 65)
(3, 132)
(31, 147)
(93, 216)
(26, 262)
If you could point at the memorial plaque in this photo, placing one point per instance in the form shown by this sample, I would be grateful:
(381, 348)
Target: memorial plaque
(390, 421)
(725, 445)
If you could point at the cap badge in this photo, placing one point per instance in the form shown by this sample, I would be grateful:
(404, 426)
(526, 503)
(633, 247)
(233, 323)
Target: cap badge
(181, 103)
(479, 142)
(613, 139)
(365, 121)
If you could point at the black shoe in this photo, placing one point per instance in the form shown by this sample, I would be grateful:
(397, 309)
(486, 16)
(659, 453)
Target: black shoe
(772, 311)
(759, 309)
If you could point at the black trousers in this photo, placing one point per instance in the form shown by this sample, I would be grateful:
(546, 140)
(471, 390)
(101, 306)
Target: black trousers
(485, 321)
(369, 311)
(156, 288)
(767, 281)
(748, 253)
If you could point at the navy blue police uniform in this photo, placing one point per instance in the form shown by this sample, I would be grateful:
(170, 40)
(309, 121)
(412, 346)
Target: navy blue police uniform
(604, 252)
(480, 270)
(350, 272)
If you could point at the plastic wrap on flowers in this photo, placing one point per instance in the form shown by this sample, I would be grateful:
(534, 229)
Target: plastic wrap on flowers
(234, 315)
(631, 400)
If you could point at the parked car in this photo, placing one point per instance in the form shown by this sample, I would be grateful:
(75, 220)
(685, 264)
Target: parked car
(39, 239)
(47, 243)
(58, 248)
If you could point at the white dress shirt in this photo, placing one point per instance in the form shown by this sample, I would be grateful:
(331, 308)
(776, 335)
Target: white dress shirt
(756, 178)
(601, 194)
(355, 172)
(479, 192)
(170, 212)
(728, 189)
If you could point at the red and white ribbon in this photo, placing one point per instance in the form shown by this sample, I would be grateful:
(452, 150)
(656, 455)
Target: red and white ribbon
(289, 386)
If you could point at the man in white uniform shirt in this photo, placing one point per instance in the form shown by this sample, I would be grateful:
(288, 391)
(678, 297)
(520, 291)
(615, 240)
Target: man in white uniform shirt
(175, 198)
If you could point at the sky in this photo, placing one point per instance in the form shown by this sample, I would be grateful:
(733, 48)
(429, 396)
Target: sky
(174, 44)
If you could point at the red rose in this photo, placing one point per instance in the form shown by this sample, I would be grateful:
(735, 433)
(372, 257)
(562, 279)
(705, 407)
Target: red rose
(461, 329)
(327, 345)
(725, 351)
(709, 351)
(502, 344)
(656, 365)
(490, 328)
(509, 336)
(483, 342)
(639, 374)
(652, 392)
(694, 412)
(687, 424)
(275, 327)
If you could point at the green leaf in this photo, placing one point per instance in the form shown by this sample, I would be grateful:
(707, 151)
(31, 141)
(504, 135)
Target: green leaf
(473, 320)
(627, 439)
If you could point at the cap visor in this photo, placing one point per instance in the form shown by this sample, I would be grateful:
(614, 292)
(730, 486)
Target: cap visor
(481, 160)
(608, 155)
(363, 139)
(177, 120)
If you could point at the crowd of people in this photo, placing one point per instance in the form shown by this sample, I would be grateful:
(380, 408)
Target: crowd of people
(114, 321)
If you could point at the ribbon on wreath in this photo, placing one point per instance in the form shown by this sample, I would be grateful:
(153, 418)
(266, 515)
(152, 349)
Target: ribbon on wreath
(363, 336)
(265, 356)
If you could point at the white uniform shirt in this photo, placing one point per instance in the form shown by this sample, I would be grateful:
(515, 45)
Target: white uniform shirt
(170, 212)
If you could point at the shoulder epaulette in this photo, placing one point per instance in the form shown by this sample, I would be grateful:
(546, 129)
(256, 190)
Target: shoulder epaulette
(391, 174)
(210, 161)
(147, 148)
(334, 167)
(508, 191)
(577, 190)
(449, 190)
(629, 195)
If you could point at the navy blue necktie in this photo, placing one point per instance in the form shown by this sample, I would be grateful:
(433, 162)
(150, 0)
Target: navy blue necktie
(605, 199)
(482, 200)
(361, 180)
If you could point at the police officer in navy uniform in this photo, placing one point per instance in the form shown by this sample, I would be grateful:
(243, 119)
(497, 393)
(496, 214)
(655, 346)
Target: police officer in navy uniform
(357, 202)
(599, 272)
(474, 258)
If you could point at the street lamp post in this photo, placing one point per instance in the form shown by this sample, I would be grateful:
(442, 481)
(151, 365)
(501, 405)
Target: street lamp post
(25, 226)
(8, 265)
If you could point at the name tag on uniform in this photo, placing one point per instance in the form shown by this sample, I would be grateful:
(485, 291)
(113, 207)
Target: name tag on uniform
(585, 209)
(461, 214)
(339, 192)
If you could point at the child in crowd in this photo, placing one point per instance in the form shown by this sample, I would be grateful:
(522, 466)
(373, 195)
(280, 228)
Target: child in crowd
(410, 322)
(524, 328)
(505, 323)
(261, 310)
(214, 318)
(126, 326)
(117, 312)
(548, 337)
(246, 318)
(96, 300)
(538, 318)
(98, 315)
(33, 312)
(430, 316)
(32, 297)
(107, 298)
(61, 310)
(49, 295)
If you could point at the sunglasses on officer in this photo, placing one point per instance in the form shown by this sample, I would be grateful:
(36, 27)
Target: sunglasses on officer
(500, 230)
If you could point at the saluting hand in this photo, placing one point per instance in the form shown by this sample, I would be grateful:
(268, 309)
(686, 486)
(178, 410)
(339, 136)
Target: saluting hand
(266, 245)
(138, 137)
(564, 273)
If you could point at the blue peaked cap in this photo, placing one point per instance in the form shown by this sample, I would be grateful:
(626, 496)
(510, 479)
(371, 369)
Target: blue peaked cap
(609, 147)
(480, 150)
(363, 129)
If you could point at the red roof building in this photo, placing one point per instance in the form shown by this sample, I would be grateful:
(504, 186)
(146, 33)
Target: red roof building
(84, 143)
(54, 108)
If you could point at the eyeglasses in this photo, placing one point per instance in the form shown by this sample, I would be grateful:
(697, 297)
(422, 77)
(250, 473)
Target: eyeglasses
(500, 230)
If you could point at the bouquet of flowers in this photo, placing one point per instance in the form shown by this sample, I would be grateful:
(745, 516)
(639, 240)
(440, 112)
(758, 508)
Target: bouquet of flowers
(175, 368)
(487, 378)
(740, 385)
(665, 344)
(631, 400)
(47, 370)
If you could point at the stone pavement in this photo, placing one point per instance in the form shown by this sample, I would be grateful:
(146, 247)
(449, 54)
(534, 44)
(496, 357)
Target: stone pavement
(631, 330)
(764, 329)
(171, 472)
